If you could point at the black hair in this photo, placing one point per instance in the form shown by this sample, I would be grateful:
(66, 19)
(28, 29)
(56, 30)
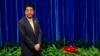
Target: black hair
(28, 5)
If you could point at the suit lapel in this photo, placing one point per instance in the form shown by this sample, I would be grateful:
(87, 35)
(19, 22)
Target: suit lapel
(34, 22)
(28, 24)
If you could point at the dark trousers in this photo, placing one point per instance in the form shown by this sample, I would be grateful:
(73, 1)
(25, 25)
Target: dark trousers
(37, 53)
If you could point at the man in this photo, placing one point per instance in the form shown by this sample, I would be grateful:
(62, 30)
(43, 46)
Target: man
(30, 32)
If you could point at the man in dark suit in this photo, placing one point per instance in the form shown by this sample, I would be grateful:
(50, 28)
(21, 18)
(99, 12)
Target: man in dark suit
(30, 32)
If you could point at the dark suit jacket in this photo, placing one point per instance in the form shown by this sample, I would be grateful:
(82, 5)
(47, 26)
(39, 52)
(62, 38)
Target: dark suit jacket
(28, 37)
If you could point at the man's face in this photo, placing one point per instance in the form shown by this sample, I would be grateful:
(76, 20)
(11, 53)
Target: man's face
(29, 12)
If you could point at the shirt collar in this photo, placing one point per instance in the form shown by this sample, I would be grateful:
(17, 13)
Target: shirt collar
(29, 19)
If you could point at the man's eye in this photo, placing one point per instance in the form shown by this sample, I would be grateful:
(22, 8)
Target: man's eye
(27, 10)
(31, 10)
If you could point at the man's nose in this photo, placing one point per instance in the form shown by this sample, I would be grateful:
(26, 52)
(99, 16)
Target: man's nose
(29, 11)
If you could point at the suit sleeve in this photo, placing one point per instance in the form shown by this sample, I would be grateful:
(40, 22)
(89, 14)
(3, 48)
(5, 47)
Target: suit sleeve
(25, 38)
(40, 34)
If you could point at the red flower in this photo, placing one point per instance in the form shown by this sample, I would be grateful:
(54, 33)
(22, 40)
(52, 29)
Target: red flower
(69, 49)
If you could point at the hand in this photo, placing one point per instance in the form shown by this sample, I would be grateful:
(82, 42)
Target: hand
(37, 47)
